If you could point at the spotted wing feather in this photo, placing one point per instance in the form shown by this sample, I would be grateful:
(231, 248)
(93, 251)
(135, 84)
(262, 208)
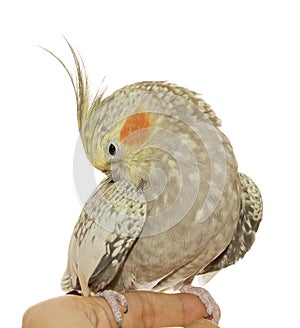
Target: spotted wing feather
(109, 224)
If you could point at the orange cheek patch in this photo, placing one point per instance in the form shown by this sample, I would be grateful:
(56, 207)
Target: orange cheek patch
(133, 130)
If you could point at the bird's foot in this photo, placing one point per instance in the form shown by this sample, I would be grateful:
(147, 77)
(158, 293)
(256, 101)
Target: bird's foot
(114, 299)
(212, 307)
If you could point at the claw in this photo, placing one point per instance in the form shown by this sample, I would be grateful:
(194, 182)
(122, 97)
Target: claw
(114, 299)
(74, 292)
(212, 307)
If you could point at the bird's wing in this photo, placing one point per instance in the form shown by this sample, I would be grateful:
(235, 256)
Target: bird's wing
(251, 210)
(110, 222)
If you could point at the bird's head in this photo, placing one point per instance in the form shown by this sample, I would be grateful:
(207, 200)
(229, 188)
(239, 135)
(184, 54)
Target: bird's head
(113, 130)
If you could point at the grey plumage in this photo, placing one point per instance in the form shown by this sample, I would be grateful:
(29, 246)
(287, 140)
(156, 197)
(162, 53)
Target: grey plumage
(174, 205)
(251, 210)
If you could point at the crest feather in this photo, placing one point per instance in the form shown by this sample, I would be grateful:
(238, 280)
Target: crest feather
(81, 87)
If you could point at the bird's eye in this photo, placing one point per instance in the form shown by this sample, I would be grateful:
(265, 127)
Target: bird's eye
(112, 149)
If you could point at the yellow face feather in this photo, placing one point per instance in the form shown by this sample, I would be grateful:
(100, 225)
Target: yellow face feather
(128, 137)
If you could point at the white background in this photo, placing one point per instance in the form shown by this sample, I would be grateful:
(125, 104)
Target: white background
(242, 56)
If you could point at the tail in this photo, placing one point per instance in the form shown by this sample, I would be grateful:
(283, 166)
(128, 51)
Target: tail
(251, 210)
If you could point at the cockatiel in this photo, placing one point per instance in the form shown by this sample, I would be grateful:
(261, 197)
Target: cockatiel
(173, 204)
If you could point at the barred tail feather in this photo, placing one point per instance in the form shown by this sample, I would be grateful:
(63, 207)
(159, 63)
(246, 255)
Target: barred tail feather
(251, 210)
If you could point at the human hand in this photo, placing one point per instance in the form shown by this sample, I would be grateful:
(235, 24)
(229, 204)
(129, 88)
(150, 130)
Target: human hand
(146, 309)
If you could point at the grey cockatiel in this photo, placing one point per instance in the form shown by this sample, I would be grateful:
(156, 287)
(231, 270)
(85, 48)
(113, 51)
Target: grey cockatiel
(173, 204)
